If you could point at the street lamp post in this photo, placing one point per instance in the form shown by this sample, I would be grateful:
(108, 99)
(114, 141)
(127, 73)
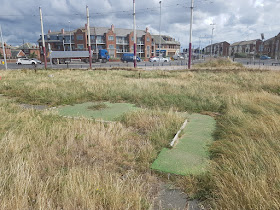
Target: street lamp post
(43, 38)
(70, 37)
(159, 52)
(213, 24)
(3, 48)
(134, 35)
(89, 41)
(190, 44)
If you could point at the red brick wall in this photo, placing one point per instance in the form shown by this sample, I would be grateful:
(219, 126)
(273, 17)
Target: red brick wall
(131, 43)
(84, 41)
(258, 44)
(7, 52)
(111, 42)
(148, 43)
(36, 51)
(226, 48)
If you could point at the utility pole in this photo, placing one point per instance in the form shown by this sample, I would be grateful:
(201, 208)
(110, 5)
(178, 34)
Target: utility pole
(3, 47)
(43, 39)
(96, 48)
(213, 25)
(190, 44)
(199, 51)
(70, 37)
(159, 46)
(89, 43)
(134, 34)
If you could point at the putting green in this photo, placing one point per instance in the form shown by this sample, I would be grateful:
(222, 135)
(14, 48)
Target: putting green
(190, 154)
(109, 113)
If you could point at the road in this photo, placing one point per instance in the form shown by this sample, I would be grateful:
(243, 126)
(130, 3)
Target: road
(182, 64)
(248, 61)
(81, 65)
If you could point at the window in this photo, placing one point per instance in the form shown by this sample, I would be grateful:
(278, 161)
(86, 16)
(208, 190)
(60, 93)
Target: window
(100, 39)
(80, 46)
(80, 37)
(111, 38)
(148, 51)
(148, 39)
(111, 46)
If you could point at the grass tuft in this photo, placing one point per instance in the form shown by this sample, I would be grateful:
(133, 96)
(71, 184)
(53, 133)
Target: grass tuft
(97, 106)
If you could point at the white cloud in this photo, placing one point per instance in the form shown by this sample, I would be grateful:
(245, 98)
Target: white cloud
(235, 20)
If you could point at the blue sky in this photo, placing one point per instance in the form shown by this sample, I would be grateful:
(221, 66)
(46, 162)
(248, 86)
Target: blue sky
(235, 20)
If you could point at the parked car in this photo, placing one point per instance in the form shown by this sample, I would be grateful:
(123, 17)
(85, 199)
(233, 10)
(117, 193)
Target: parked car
(26, 61)
(178, 57)
(128, 57)
(264, 57)
(157, 59)
(38, 61)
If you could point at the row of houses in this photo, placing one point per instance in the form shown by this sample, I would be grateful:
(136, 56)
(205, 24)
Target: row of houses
(24, 50)
(116, 40)
(256, 47)
(252, 47)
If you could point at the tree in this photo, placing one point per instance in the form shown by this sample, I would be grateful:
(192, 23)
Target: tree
(33, 55)
(1, 56)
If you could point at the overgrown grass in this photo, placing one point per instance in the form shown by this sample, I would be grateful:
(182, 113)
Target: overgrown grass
(219, 63)
(50, 162)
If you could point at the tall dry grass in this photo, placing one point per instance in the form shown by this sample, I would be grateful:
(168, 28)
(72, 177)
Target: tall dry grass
(50, 162)
(245, 157)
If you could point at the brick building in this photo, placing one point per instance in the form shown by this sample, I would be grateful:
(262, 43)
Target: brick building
(218, 49)
(271, 47)
(252, 47)
(116, 40)
(169, 46)
(7, 50)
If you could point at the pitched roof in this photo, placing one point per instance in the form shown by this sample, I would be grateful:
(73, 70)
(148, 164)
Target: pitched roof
(118, 31)
(157, 39)
(7, 46)
(100, 31)
(27, 46)
(217, 43)
(245, 42)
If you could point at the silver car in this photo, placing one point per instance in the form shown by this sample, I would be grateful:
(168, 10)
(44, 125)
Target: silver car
(26, 61)
(157, 59)
(38, 61)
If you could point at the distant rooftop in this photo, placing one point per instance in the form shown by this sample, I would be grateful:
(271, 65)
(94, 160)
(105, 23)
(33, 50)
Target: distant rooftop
(164, 39)
(245, 42)
(100, 31)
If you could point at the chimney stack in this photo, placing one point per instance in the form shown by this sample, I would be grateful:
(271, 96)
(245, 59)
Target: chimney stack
(86, 26)
(112, 27)
(49, 31)
(62, 30)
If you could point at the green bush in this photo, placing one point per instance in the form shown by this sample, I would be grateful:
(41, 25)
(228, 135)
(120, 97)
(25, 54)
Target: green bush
(240, 55)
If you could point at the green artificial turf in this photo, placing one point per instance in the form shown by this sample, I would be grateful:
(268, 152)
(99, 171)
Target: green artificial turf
(109, 113)
(190, 154)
